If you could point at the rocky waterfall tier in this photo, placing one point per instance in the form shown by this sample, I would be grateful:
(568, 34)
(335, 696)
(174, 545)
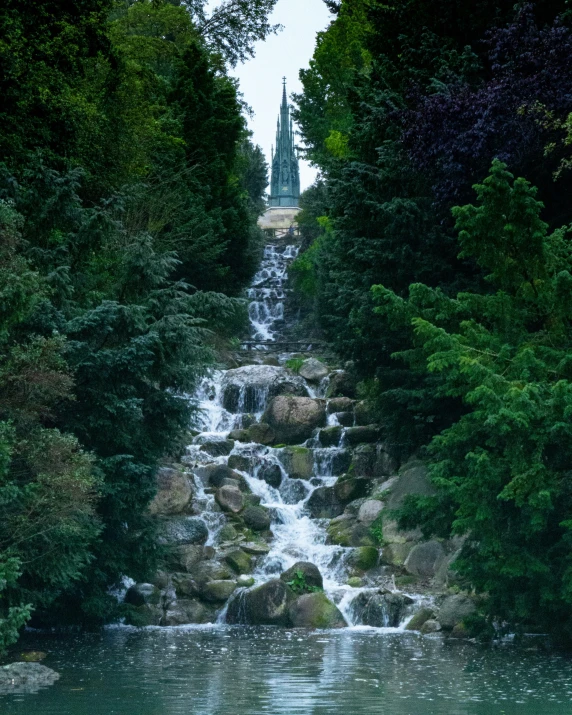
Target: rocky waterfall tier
(275, 513)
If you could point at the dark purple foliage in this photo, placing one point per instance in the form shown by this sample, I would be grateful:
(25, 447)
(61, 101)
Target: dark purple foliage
(455, 134)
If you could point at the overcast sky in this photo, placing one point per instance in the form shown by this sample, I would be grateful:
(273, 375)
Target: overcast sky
(281, 55)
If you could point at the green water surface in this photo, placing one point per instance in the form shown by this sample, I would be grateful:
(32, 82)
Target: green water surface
(256, 671)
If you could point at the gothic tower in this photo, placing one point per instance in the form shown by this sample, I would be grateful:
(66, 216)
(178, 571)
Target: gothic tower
(285, 182)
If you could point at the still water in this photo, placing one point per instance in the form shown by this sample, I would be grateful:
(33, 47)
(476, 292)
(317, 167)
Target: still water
(240, 671)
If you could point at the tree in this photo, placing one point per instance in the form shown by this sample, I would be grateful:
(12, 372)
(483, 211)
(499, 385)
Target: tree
(501, 470)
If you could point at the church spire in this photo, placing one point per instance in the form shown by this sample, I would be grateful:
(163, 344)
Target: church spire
(285, 183)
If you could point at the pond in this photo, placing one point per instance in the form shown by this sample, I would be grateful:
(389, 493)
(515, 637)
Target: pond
(255, 671)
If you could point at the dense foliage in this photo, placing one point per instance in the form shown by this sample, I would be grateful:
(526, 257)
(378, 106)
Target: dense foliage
(129, 193)
(462, 344)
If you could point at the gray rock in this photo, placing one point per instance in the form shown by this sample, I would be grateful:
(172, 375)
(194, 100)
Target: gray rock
(179, 531)
(218, 447)
(419, 619)
(271, 474)
(369, 511)
(313, 370)
(454, 610)
(412, 480)
(340, 404)
(174, 493)
(218, 591)
(187, 556)
(26, 677)
(240, 462)
(255, 548)
(380, 609)
(348, 488)
(256, 517)
(298, 462)
(342, 384)
(425, 559)
(239, 561)
(247, 389)
(315, 610)
(324, 504)
(361, 435)
(261, 433)
(330, 436)
(239, 435)
(184, 585)
(294, 419)
(261, 606)
(364, 414)
(230, 499)
(430, 626)
(293, 491)
(244, 581)
(142, 594)
(310, 574)
(213, 475)
(346, 419)
(185, 611)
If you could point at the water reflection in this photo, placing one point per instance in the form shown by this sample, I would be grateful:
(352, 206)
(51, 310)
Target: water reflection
(238, 671)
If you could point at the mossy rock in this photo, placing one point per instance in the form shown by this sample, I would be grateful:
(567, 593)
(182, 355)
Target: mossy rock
(315, 610)
(419, 619)
(365, 558)
(256, 517)
(239, 561)
(355, 582)
(298, 462)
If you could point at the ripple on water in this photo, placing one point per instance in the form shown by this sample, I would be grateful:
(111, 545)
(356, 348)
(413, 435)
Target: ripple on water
(213, 670)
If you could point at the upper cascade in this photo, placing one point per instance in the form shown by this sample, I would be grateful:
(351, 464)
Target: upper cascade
(285, 182)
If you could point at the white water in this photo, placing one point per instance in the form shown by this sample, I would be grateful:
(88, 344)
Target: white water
(297, 537)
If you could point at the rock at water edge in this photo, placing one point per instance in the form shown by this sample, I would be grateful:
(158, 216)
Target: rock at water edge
(315, 610)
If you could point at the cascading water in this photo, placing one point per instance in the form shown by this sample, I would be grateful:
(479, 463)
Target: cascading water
(227, 405)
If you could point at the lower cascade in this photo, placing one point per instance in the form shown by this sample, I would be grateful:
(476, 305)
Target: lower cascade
(274, 515)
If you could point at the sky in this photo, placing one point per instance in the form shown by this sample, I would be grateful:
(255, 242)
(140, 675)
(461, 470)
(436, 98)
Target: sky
(281, 55)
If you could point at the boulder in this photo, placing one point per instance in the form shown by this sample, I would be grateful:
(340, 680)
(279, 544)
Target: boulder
(313, 370)
(304, 572)
(424, 559)
(174, 493)
(294, 419)
(339, 530)
(239, 561)
(265, 605)
(256, 517)
(293, 491)
(218, 447)
(455, 609)
(271, 474)
(413, 479)
(261, 433)
(380, 609)
(211, 570)
(25, 677)
(142, 594)
(345, 419)
(348, 488)
(365, 558)
(340, 404)
(230, 499)
(364, 413)
(256, 548)
(185, 611)
(430, 626)
(369, 511)
(218, 591)
(342, 384)
(298, 462)
(244, 581)
(214, 475)
(315, 610)
(184, 585)
(179, 531)
(361, 435)
(324, 504)
(239, 435)
(187, 556)
(372, 460)
(419, 619)
(396, 554)
(247, 389)
(330, 436)
(240, 462)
